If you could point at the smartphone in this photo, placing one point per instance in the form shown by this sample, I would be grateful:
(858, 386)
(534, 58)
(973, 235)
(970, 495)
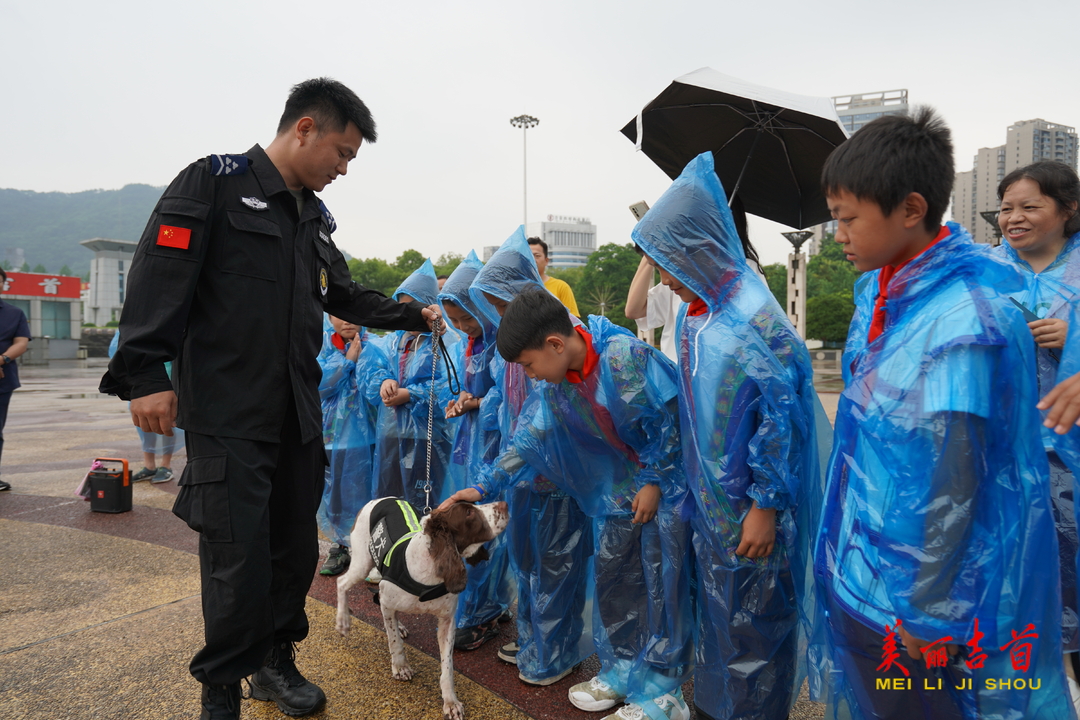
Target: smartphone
(639, 209)
(1032, 317)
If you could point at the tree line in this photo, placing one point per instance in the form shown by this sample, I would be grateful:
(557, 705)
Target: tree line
(600, 287)
(39, 268)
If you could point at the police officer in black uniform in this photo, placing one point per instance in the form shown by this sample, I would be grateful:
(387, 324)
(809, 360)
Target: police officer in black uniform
(229, 281)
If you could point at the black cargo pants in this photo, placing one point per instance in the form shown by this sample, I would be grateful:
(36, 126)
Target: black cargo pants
(253, 505)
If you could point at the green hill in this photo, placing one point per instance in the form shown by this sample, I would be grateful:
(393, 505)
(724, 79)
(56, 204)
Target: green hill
(48, 226)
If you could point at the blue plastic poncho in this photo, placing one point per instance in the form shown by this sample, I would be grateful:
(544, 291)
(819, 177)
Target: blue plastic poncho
(1049, 294)
(473, 445)
(401, 468)
(601, 441)
(488, 593)
(749, 418)
(549, 536)
(348, 433)
(422, 285)
(937, 511)
(1067, 446)
(509, 271)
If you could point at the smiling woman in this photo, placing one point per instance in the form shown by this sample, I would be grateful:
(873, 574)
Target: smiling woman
(1041, 226)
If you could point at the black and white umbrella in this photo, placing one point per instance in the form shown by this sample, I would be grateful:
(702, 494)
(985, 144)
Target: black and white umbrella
(768, 145)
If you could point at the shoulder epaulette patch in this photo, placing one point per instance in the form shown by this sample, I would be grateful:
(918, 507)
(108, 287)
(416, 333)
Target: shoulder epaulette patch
(228, 164)
(328, 217)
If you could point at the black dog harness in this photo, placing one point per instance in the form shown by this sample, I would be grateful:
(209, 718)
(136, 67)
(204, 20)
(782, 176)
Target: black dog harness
(394, 523)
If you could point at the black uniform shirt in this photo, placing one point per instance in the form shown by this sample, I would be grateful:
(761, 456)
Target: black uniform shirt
(230, 284)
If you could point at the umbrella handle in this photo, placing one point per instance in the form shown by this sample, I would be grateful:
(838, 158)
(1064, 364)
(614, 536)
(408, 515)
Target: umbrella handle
(731, 198)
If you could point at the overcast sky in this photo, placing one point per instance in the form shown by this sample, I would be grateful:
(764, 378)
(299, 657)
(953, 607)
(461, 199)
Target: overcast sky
(99, 95)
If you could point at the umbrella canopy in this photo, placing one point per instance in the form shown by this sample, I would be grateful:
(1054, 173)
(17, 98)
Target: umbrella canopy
(768, 145)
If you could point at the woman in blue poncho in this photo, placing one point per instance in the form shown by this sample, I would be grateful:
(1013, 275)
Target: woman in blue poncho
(403, 382)
(749, 428)
(1039, 221)
(473, 425)
(549, 536)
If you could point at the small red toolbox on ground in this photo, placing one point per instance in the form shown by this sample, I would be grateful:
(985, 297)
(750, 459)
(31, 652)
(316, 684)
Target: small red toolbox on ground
(110, 486)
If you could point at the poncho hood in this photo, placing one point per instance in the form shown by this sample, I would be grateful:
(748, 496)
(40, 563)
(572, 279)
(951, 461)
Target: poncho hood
(422, 285)
(690, 233)
(456, 290)
(509, 271)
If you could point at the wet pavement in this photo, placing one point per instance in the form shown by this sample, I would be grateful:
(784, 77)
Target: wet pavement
(100, 613)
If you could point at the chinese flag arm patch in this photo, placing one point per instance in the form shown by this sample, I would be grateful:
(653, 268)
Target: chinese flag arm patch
(174, 237)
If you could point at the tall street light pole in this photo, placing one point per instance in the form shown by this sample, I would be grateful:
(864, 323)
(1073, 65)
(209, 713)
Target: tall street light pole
(796, 289)
(524, 122)
(991, 217)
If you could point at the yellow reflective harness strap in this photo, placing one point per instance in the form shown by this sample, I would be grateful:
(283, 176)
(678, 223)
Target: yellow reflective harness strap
(413, 524)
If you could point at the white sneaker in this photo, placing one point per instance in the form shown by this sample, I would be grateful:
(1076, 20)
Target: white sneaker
(1074, 693)
(594, 695)
(673, 707)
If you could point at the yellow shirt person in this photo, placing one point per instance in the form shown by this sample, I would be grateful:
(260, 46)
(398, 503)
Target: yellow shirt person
(555, 286)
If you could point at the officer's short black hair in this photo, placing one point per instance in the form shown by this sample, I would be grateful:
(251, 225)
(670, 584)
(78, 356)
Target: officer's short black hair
(3, 275)
(541, 243)
(331, 105)
(893, 156)
(529, 318)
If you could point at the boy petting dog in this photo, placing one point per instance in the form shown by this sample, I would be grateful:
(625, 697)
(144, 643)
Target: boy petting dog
(603, 428)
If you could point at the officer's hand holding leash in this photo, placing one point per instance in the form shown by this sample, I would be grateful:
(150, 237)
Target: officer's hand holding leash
(433, 315)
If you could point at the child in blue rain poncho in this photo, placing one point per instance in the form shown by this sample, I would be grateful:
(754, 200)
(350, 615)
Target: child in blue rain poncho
(473, 424)
(403, 381)
(1041, 227)
(937, 557)
(349, 436)
(604, 428)
(749, 426)
(549, 536)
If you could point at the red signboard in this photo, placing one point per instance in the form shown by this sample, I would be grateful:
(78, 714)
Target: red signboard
(44, 286)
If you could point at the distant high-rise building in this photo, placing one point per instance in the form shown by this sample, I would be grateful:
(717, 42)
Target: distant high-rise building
(857, 110)
(1027, 141)
(570, 240)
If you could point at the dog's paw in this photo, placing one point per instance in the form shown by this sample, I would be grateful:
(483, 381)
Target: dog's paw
(453, 710)
(402, 630)
(344, 622)
(403, 673)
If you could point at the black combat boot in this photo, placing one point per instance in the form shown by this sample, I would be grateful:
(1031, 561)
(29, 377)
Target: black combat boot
(221, 702)
(280, 681)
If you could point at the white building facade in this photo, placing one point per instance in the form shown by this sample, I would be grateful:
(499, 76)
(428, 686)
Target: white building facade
(570, 240)
(108, 279)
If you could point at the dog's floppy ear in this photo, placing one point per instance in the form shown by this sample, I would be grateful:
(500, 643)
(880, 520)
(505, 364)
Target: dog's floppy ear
(479, 556)
(444, 552)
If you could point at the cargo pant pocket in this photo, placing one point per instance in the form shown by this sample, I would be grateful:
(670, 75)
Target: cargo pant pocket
(203, 501)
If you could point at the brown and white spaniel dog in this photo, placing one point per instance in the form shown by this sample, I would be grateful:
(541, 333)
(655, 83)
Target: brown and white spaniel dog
(422, 566)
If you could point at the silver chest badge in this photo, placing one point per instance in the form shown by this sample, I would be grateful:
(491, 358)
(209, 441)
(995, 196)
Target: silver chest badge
(254, 203)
